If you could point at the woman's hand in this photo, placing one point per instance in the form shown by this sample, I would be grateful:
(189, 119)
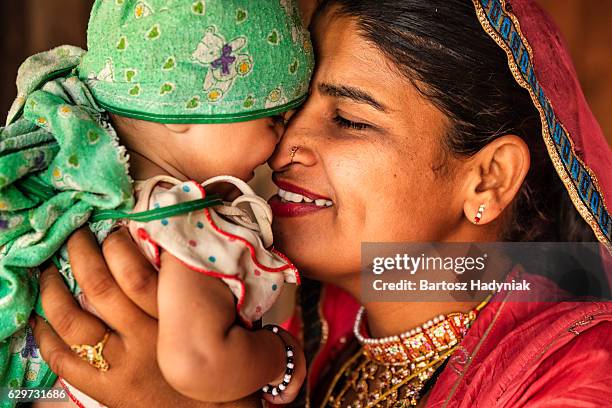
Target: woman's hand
(121, 288)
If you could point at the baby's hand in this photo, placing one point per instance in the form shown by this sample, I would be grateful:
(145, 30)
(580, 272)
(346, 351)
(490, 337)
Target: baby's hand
(298, 376)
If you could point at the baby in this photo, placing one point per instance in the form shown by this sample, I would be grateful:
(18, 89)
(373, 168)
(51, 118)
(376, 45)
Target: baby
(190, 97)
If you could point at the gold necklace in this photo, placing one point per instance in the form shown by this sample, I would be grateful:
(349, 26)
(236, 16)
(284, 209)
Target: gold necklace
(392, 371)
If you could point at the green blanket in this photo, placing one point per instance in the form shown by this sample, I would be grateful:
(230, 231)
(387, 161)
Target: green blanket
(59, 161)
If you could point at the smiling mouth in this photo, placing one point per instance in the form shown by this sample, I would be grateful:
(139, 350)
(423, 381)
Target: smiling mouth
(291, 197)
(293, 201)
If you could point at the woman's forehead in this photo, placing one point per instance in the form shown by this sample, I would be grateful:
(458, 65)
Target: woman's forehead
(347, 59)
(338, 40)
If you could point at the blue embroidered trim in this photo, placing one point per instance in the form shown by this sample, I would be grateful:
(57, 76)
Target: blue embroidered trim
(580, 175)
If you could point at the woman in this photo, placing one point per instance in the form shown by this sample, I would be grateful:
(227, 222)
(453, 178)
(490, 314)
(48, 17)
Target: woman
(416, 125)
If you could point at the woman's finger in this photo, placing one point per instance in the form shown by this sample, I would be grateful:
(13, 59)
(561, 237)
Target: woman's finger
(100, 289)
(131, 270)
(67, 364)
(70, 322)
(59, 356)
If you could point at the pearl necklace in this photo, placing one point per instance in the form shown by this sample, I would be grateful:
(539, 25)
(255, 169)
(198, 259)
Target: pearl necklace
(411, 347)
(392, 371)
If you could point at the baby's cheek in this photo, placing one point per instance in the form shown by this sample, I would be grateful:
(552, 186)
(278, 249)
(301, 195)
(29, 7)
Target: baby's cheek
(244, 159)
(268, 147)
(259, 154)
(262, 143)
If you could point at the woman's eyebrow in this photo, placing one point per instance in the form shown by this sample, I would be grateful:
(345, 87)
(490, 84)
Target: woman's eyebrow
(352, 93)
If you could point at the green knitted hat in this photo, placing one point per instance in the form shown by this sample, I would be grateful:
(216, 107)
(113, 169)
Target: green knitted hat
(204, 61)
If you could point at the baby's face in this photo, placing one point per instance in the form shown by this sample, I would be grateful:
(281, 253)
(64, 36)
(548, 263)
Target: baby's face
(236, 149)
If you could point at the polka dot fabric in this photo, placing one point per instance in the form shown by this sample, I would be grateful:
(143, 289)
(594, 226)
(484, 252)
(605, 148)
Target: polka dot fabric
(213, 245)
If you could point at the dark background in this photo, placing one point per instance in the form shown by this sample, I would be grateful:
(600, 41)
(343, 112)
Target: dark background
(30, 26)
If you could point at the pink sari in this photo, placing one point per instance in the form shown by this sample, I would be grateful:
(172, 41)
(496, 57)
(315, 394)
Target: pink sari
(517, 354)
(531, 354)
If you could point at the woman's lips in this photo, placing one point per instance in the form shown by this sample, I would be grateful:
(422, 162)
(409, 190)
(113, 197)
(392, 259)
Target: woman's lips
(283, 185)
(293, 201)
(288, 209)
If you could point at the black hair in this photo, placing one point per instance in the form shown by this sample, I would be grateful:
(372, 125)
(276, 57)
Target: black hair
(443, 51)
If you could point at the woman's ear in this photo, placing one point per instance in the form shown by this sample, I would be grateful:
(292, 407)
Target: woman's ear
(496, 175)
(177, 127)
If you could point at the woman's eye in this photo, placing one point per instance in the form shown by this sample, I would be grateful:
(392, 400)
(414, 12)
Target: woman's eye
(347, 124)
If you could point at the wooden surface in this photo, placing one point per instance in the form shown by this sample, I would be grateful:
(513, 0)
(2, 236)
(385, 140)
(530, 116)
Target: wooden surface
(29, 26)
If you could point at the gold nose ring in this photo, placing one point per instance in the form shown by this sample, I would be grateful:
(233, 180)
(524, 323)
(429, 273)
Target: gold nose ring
(294, 150)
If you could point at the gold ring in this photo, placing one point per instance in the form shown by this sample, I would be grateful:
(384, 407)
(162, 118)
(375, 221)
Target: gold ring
(93, 354)
(294, 150)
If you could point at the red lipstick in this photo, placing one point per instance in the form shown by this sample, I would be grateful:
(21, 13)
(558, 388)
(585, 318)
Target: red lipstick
(299, 190)
(285, 208)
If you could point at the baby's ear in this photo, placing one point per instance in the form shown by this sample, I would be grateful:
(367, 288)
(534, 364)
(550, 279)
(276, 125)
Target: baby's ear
(177, 127)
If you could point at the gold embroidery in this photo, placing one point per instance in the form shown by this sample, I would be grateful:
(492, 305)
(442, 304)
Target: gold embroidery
(395, 369)
(583, 322)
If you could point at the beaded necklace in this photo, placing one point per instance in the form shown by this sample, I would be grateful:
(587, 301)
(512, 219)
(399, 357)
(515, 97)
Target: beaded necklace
(392, 371)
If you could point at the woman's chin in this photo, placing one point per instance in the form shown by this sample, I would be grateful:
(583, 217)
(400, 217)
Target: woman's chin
(312, 253)
(294, 242)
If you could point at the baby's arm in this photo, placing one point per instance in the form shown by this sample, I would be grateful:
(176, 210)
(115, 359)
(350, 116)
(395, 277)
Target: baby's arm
(202, 353)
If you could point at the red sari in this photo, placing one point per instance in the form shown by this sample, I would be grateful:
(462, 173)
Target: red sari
(516, 354)
(526, 354)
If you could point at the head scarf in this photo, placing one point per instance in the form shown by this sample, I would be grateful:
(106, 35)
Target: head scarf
(183, 61)
(540, 63)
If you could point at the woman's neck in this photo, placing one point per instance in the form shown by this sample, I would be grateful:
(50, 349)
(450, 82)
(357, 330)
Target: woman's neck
(389, 318)
(386, 319)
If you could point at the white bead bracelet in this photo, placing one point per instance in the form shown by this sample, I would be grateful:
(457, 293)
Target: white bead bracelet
(289, 366)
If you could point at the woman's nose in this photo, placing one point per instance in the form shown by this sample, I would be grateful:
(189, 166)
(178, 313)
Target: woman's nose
(292, 151)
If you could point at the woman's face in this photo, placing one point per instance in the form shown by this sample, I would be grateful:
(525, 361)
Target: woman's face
(370, 144)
